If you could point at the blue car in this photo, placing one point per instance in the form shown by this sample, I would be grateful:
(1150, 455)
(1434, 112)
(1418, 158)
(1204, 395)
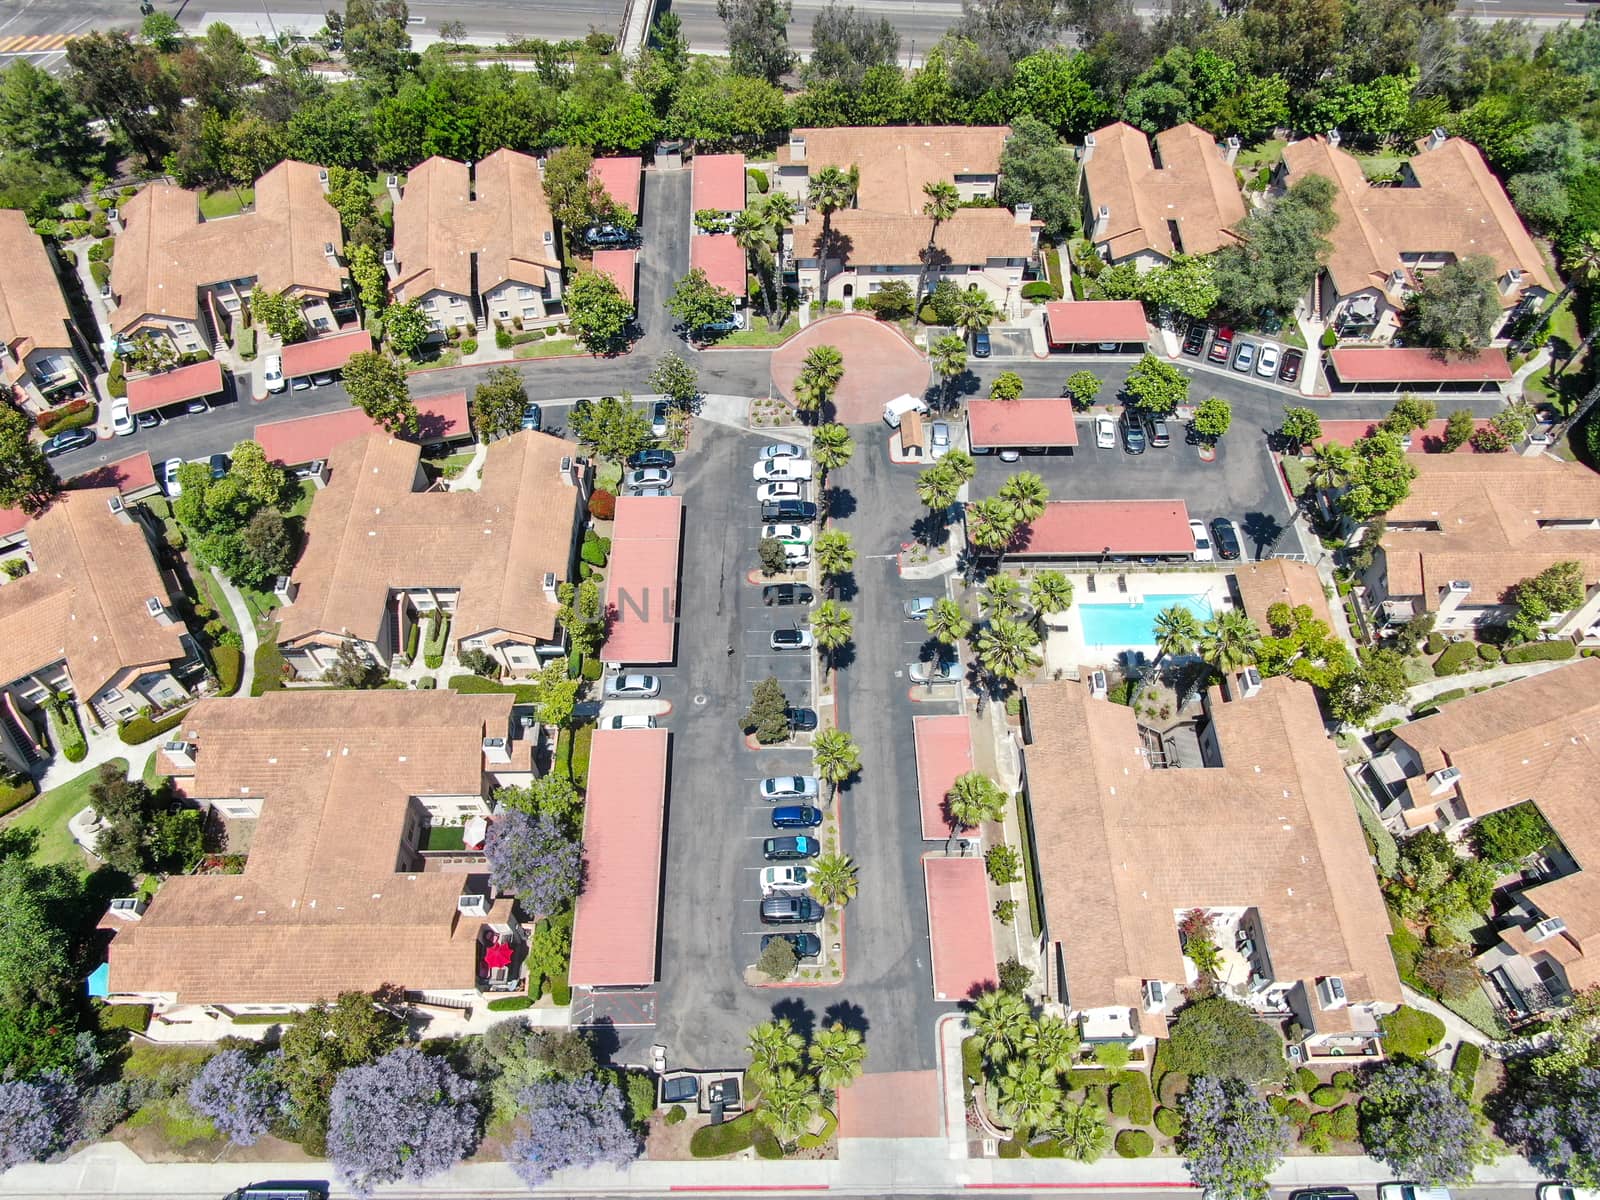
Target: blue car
(796, 816)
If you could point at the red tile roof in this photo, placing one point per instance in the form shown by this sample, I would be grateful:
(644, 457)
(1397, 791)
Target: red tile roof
(172, 387)
(958, 927)
(642, 584)
(12, 522)
(620, 176)
(1414, 364)
(304, 439)
(1012, 423)
(128, 475)
(614, 930)
(1427, 440)
(720, 257)
(1095, 321)
(1085, 528)
(620, 266)
(719, 182)
(324, 353)
(944, 751)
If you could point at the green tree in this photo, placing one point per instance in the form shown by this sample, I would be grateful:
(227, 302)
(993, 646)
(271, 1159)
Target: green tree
(1456, 307)
(1027, 1092)
(760, 238)
(789, 1098)
(552, 794)
(1001, 597)
(1081, 1130)
(1007, 649)
(835, 755)
(1278, 252)
(941, 205)
(832, 627)
(675, 379)
(611, 427)
(772, 1045)
(1083, 387)
(1360, 690)
(972, 799)
(778, 959)
(1379, 476)
(1331, 466)
(377, 41)
(37, 958)
(846, 44)
(320, 1043)
(1212, 417)
(820, 373)
(162, 31)
(768, 715)
(1050, 592)
(831, 448)
(991, 525)
(578, 200)
(697, 302)
(583, 614)
(406, 328)
(1038, 168)
(835, 554)
(937, 488)
(1217, 1036)
(833, 879)
(1409, 414)
(376, 384)
(1002, 1023)
(1006, 386)
(598, 312)
(976, 312)
(1228, 641)
(1434, 885)
(1187, 285)
(1024, 495)
(946, 623)
(279, 314)
(1301, 427)
(498, 403)
(40, 120)
(758, 37)
(1157, 386)
(1509, 836)
(1557, 589)
(27, 480)
(838, 1053)
(266, 550)
(1177, 631)
(366, 270)
(830, 188)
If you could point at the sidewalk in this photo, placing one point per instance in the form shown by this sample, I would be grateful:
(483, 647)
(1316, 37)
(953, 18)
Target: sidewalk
(247, 630)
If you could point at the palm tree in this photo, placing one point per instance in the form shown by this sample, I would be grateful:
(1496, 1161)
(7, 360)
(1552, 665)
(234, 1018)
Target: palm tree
(835, 553)
(975, 311)
(1027, 1092)
(831, 448)
(937, 488)
(943, 202)
(1330, 465)
(820, 373)
(833, 879)
(1002, 1023)
(773, 1045)
(990, 525)
(1229, 641)
(754, 232)
(972, 799)
(832, 626)
(789, 1099)
(1049, 592)
(836, 757)
(1026, 495)
(949, 357)
(1081, 1130)
(1002, 597)
(1054, 1044)
(838, 1054)
(1177, 630)
(946, 623)
(1008, 649)
(829, 190)
(960, 464)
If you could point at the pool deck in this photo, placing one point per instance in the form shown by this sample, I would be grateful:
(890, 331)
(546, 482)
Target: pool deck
(1065, 649)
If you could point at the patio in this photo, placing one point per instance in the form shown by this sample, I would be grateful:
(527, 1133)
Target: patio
(1073, 651)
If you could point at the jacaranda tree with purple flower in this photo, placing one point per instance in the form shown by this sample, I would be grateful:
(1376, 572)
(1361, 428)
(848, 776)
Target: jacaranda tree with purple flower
(1413, 1120)
(406, 1115)
(238, 1095)
(37, 1118)
(534, 859)
(1230, 1139)
(1556, 1122)
(571, 1123)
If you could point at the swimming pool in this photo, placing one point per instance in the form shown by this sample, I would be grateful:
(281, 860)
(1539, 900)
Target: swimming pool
(1124, 625)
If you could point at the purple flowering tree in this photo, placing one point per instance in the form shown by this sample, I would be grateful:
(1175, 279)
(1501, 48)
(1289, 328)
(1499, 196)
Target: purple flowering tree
(407, 1115)
(1557, 1125)
(238, 1096)
(1230, 1139)
(534, 859)
(37, 1118)
(1413, 1120)
(570, 1123)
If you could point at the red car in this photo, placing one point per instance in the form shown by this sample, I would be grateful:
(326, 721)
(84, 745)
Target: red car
(1222, 347)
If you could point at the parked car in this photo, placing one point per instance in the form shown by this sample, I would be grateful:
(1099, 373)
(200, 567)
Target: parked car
(789, 470)
(607, 235)
(796, 816)
(121, 418)
(1133, 441)
(943, 671)
(533, 417)
(1244, 357)
(801, 720)
(792, 534)
(1221, 345)
(648, 477)
(627, 721)
(1105, 432)
(980, 344)
(1411, 1191)
(169, 478)
(68, 441)
(784, 879)
(788, 787)
(652, 458)
(148, 420)
(645, 492)
(1010, 455)
(790, 910)
(781, 450)
(1225, 537)
(790, 639)
(1548, 1191)
(938, 439)
(300, 383)
(796, 555)
(736, 321)
(1323, 1193)
(918, 608)
(788, 510)
(272, 371)
(219, 464)
(782, 490)
(1267, 364)
(786, 593)
(1194, 338)
(1290, 371)
(782, 849)
(632, 687)
(658, 418)
(1156, 431)
(805, 945)
(1202, 544)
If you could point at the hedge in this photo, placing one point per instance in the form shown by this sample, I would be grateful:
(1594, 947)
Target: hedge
(230, 668)
(262, 1018)
(15, 795)
(1135, 1143)
(1436, 643)
(759, 178)
(125, 1016)
(66, 733)
(716, 1141)
(1169, 1121)
(137, 730)
(1305, 1080)
(510, 1004)
(1489, 652)
(1541, 652)
(1465, 1068)
(1038, 290)
(1456, 656)
(561, 990)
(1011, 1148)
(1410, 1032)
(1345, 1080)
(1327, 1095)
(1141, 1104)
(79, 414)
(268, 676)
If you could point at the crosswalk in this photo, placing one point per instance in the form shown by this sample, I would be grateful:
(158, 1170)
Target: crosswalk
(43, 43)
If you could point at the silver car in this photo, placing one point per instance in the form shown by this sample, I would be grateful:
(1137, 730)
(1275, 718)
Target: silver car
(938, 439)
(648, 477)
(939, 672)
(632, 687)
(782, 450)
(789, 787)
(919, 608)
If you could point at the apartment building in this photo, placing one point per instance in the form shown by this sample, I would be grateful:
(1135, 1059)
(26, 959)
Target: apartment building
(39, 355)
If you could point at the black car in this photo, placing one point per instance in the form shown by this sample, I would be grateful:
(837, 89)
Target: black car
(607, 235)
(219, 465)
(1224, 538)
(147, 420)
(1133, 439)
(780, 848)
(980, 344)
(653, 458)
(1321, 1193)
(805, 945)
(788, 510)
(71, 439)
(790, 910)
(801, 720)
(786, 593)
(1194, 340)
(1289, 369)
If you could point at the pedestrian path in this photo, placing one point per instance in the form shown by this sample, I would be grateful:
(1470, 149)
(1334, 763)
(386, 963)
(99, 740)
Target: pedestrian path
(247, 630)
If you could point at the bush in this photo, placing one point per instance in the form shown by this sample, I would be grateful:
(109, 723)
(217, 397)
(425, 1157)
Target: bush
(1489, 652)
(1410, 1032)
(74, 415)
(1096, 1094)
(433, 661)
(1305, 1080)
(1038, 290)
(1141, 1104)
(1121, 1100)
(469, 345)
(1465, 1068)
(15, 795)
(1135, 1143)
(101, 273)
(1169, 1121)
(593, 668)
(1345, 1080)
(510, 1003)
(676, 1115)
(1298, 1112)
(125, 1016)
(602, 505)
(1346, 1121)
(1541, 652)
(1328, 340)
(230, 667)
(1011, 1148)
(137, 730)
(1327, 1095)
(715, 1141)
(502, 340)
(595, 549)
(1454, 658)
(759, 178)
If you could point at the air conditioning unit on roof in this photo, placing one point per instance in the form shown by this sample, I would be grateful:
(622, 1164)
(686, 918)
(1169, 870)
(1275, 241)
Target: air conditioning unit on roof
(472, 905)
(1098, 688)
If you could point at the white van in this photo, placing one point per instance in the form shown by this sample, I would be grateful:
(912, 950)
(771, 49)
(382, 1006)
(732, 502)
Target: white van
(900, 406)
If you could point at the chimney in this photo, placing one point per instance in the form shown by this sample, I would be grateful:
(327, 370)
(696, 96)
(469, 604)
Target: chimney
(496, 752)
(1097, 685)
(322, 178)
(1330, 990)
(550, 586)
(472, 904)
(549, 238)
(390, 267)
(159, 612)
(1102, 222)
(119, 510)
(393, 183)
(330, 253)
(1443, 781)
(797, 149)
(1087, 152)
(285, 589)
(1023, 213)
(127, 908)
(1397, 278)
(1437, 138)
(179, 754)
(1333, 137)
(1249, 683)
(317, 472)
(1230, 152)
(568, 470)
(1511, 281)
(114, 219)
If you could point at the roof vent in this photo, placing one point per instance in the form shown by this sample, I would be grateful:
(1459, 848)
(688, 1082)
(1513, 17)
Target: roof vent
(1330, 990)
(495, 751)
(1155, 995)
(1461, 585)
(1098, 689)
(472, 905)
(152, 606)
(1441, 782)
(1547, 928)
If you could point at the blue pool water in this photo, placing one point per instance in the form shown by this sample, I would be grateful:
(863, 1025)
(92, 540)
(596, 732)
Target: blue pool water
(1122, 625)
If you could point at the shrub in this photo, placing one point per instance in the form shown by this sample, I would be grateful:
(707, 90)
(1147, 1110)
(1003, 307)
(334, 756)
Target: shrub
(1037, 290)
(715, 1141)
(502, 340)
(593, 668)
(101, 273)
(1328, 340)
(759, 178)
(595, 549)
(1327, 1095)
(510, 1003)
(1134, 1143)
(1141, 1104)
(766, 1143)
(1489, 652)
(1410, 1032)
(230, 667)
(602, 505)
(1095, 1094)
(137, 730)
(676, 1115)
(1305, 1080)
(1011, 1148)
(1004, 864)
(1346, 1121)
(1541, 652)
(469, 345)
(125, 1016)
(1345, 1080)
(1173, 1085)
(1121, 1100)
(1169, 1121)
(1298, 1112)
(1465, 1068)
(1454, 658)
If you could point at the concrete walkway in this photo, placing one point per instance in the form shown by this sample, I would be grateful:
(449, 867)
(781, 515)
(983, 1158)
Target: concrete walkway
(1456, 1030)
(247, 631)
(1467, 679)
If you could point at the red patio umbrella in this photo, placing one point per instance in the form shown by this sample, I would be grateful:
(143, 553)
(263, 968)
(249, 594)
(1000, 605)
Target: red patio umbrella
(497, 955)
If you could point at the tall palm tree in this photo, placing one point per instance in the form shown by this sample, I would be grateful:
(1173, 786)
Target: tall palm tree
(1177, 630)
(1008, 650)
(1049, 592)
(829, 190)
(831, 448)
(820, 373)
(789, 1099)
(1582, 267)
(773, 1045)
(1229, 641)
(960, 464)
(1028, 1093)
(754, 232)
(1330, 465)
(833, 879)
(838, 1054)
(832, 627)
(949, 357)
(1026, 495)
(1054, 1044)
(990, 525)
(947, 624)
(1002, 1023)
(835, 756)
(835, 552)
(1001, 598)
(973, 799)
(942, 203)
(937, 488)
(1081, 1129)
(975, 311)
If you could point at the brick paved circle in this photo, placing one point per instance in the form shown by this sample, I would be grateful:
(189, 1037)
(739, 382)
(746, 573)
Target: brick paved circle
(879, 364)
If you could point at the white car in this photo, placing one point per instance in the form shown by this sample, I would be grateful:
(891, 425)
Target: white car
(1105, 432)
(789, 639)
(782, 450)
(939, 672)
(169, 478)
(1565, 1191)
(648, 477)
(1202, 543)
(789, 787)
(273, 373)
(632, 687)
(794, 535)
(122, 423)
(1267, 364)
(627, 721)
(771, 492)
(1411, 1191)
(786, 470)
(938, 439)
(784, 879)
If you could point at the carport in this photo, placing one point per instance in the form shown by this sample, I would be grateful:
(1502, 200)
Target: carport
(324, 354)
(723, 261)
(302, 440)
(642, 581)
(959, 929)
(615, 926)
(134, 477)
(619, 266)
(1107, 531)
(944, 753)
(1387, 370)
(1096, 327)
(198, 381)
(1021, 424)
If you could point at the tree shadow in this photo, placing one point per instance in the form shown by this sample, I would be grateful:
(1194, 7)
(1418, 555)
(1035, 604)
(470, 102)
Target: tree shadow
(844, 657)
(838, 502)
(1263, 530)
(930, 527)
(844, 587)
(799, 1015)
(603, 1039)
(846, 1014)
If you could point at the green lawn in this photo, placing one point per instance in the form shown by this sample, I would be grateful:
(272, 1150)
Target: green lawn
(50, 813)
(761, 336)
(548, 348)
(1380, 166)
(211, 593)
(1266, 154)
(302, 504)
(1298, 473)
(225, 203)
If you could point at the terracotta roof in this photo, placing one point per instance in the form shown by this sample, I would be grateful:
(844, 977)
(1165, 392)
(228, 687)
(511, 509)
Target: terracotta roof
(619, 266)
(642, 580)
(972, 237)
(944, 753)
(449, 212)
(1280, 580)
(1085, 528)
(1536, 738)
(136, 473)
(194, 382)
(895, 161)
(1070, 321)
(33, 313)
(1489, 508)
(723, 261)
(1450, 203)
(305, 439)
(324, 353)
(369, 531)
(1124, 848)
(1427, 440)
(620, 178)
(1193, 187)
(614, 928)
(166, 253)
(1047, 421)
(322, 906)
(85, 602)
(1414, 364)
(719, 182)
(960, 931)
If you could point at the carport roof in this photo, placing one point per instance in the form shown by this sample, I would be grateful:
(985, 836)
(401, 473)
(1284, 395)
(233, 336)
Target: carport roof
(614, 929)
(1086, 528)
(719, 182)
(131, 476)
(959, 930)
(324, 353)
(721, 258)
(620, 178)
(944, 752)
(1070, 321)
(1415, 364)
(1015, 423)
(306, 439)
(642, 584)
(174, 387)
(618, 266)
